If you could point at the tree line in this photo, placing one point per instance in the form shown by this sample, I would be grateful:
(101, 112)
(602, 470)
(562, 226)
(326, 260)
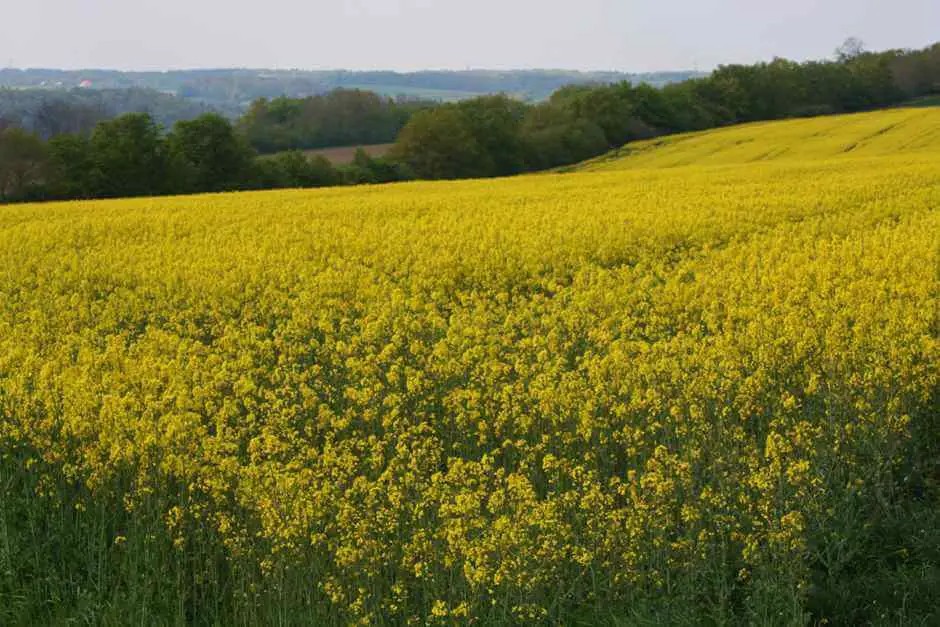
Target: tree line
(342, 117)
(497, 136)
(131, 155)
(230, 91)
(52, 112)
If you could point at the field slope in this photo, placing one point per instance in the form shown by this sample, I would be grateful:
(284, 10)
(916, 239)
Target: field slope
(894, 133)
(697, 384)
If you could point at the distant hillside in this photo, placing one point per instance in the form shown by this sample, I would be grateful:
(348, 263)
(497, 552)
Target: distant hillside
(879, 133)
(50, 112)
(235, 89)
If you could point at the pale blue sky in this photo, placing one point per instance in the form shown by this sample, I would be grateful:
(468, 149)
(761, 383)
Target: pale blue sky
(628, 35)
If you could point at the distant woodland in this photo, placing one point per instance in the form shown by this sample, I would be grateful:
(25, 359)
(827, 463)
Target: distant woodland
(51, 112)
(86, 143)
(232, 91)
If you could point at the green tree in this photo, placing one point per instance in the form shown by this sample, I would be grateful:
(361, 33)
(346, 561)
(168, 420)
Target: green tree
(207, 155)
(439, 144)
(610, 107)
(294, 169)
(495, 123)
(342, 117)
(23, 161)
(367, 169)
(689, 111)
(553, 136)
(129, 157)
(851, 48)
(71, 167)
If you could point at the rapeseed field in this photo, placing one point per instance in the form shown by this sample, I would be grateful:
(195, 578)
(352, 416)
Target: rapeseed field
(693, 383)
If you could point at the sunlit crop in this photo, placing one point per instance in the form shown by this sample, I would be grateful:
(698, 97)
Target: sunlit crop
(541, 399)
(892, 133)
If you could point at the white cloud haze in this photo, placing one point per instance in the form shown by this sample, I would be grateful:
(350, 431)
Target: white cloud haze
(628, 35)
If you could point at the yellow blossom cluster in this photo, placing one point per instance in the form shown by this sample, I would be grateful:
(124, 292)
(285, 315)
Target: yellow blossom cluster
(517, 401)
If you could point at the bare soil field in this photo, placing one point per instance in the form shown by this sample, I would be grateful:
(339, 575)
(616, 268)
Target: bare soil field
(344, 154)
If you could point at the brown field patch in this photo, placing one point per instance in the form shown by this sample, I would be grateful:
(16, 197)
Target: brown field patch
(343, 155)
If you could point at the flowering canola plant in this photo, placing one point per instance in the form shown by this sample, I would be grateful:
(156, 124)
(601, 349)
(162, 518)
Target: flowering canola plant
(509, 401)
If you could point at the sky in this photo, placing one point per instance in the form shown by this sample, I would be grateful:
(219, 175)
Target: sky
(407, 35)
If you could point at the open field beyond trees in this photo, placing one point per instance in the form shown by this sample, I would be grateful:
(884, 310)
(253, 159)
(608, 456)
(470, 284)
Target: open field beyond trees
(344, 155)
(695, 382)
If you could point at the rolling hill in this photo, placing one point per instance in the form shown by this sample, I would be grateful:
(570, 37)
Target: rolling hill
(893, 132)
(692, 382)
(234, 89)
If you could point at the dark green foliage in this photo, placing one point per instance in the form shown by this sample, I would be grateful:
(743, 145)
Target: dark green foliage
(882, 565)
(440, 144)
(553, 136)
(23, 161)
(476, 138)
(610, 108)
(72, 165)
(366, 169)
(495, 123)
(343, 117)
(294, 169)
(129, 157)
(208, 156)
